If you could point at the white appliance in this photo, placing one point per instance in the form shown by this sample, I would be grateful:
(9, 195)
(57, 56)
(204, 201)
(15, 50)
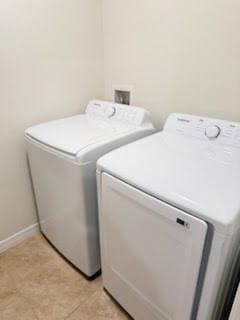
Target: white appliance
(62, 156)
(235, 313)
(169, 209)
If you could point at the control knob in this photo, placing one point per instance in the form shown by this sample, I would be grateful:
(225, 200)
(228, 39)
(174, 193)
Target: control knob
(212, 132)
(110, 112)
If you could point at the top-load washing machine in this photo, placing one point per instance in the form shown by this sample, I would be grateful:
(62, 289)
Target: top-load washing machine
(169, 208)
(62, 156)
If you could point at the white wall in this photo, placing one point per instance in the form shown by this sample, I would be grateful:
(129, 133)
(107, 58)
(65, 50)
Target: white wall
(179, 56)
(50, 66)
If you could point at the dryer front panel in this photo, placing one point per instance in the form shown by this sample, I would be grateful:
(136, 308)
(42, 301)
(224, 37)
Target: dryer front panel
(151, 252)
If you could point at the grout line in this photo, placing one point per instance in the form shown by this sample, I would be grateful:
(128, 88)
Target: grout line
(65, 318)
(36, 316)
(80, 304)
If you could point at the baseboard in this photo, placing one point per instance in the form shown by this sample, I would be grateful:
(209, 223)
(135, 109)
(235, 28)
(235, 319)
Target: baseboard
(19, 237)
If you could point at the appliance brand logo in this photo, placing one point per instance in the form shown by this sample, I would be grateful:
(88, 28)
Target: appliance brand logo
(183, 120)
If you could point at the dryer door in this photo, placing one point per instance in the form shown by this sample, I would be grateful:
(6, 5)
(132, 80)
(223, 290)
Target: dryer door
(151, 252)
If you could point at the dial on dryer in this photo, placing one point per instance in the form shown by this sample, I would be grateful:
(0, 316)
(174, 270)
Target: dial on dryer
(212, 132)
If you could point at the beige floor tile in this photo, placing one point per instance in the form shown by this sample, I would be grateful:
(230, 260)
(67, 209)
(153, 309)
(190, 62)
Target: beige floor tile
(23, 259)
(100, 306)
(37, 283)
(54, 292)
(17, 309)
(8, 289)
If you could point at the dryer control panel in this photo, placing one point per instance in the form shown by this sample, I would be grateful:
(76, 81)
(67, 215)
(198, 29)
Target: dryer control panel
(117, 112)
(224, 132)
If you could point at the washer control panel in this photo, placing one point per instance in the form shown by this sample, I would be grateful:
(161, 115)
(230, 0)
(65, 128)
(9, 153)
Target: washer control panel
(117, 112)
(221, 131)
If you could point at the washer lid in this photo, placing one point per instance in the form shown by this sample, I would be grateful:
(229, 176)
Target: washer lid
(198, 176)
(70, 135)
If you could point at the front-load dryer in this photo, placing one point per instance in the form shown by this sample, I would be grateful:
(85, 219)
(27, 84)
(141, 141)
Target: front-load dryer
(62, 156)
(169, 209)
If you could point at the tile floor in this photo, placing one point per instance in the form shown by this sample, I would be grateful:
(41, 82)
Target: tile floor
(37, 284)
